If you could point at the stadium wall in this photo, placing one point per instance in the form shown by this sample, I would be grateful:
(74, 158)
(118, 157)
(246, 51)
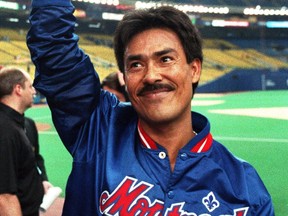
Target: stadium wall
(247, 80)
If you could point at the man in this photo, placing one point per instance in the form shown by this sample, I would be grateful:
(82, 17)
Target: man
(154, 157)
(21, 189)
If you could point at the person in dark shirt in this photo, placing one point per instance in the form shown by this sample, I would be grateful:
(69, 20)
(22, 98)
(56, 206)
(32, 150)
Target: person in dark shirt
(21, 188)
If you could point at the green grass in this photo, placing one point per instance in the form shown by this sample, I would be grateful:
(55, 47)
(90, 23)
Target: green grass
(261, 141)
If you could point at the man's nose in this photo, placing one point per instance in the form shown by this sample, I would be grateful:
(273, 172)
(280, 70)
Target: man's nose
(153, 73)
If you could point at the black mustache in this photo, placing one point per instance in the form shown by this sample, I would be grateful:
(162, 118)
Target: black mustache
(153, 87)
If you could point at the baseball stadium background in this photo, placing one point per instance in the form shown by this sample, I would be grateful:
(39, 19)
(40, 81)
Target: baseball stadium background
(243, 89)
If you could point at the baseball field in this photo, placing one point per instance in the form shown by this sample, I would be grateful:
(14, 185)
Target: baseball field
(253, 125)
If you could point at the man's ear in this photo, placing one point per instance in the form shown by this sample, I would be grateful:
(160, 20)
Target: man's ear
(18, 89)
(196, 67)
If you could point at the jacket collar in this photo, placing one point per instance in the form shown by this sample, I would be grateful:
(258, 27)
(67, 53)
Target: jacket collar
(202, 142)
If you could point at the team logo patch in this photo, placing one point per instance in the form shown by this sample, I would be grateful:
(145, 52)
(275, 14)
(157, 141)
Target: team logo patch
(210, 202)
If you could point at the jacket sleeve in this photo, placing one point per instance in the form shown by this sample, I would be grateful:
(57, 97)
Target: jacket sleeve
(64, 74)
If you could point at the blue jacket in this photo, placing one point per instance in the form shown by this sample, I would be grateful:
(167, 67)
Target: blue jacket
(117, 168)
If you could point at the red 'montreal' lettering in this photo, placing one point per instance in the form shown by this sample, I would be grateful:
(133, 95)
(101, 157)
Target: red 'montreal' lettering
(125, 197)
(144, 208)
(241, 211)
(175, 211)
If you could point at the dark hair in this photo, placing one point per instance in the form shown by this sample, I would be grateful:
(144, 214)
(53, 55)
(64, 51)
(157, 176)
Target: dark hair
(9, 77)
(163, 17)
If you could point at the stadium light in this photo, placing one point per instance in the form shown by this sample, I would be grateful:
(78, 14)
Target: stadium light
(9, 5)
(203, 9)
(112, 16)
(104, 2)
(184, 7)
(229, 23)
(266, 12)
(277, 24)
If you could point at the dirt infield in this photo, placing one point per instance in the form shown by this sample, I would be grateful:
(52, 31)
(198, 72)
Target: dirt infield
(42, 126)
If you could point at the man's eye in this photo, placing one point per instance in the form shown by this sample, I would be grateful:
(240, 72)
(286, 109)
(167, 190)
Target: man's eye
(166, 59)
(135, 65)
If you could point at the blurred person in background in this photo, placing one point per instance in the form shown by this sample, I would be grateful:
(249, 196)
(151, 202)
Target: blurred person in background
(21, 188)
(152, 156)
(114, 83)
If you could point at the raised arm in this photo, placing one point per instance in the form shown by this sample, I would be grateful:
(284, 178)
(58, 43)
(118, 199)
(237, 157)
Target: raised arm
(64, 74)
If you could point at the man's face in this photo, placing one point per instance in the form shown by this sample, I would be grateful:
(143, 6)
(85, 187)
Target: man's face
(28, 93)
(157, 76)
